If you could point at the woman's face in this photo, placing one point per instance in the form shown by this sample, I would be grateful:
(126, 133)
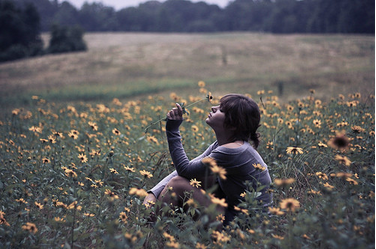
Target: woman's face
(216, 118)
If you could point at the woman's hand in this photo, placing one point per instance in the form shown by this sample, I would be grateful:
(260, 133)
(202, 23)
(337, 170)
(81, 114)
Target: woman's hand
(149, 200)
(176, 113)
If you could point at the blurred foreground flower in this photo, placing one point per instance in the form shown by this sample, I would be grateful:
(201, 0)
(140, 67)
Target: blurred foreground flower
(276, 211)
(339, 142)
(139, 192)
(290, 204)
(283, 182)
(210, 162)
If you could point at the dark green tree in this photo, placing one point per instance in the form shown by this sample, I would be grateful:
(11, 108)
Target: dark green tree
(67, 15)
(47, 9)
(97, 17)
(66, 39)
(19, 31)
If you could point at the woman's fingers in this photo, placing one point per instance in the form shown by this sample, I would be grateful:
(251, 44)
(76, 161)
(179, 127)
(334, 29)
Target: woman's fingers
(176, 113)
(150, 198)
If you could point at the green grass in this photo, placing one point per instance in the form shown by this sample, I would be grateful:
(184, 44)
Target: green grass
(126, 65)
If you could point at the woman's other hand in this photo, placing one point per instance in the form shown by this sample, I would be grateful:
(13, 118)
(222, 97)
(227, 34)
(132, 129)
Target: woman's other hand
(149, 200)
(176, 113)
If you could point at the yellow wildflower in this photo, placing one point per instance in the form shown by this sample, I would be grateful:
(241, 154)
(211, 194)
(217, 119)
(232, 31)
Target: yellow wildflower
(294, 150)
(146, 173)
(258, 166)
(139, 192)
(343, 160)
(275, 211)
(195, 183)
(290, 204)
(30, 227)
(283, 182)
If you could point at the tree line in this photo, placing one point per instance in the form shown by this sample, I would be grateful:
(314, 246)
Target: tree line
(20, 33)
(21, 21)
(274, 16)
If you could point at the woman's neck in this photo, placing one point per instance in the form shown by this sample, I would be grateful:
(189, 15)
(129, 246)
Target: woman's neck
(225, 138)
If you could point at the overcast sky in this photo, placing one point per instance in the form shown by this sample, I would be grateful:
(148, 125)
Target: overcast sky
(119, 4)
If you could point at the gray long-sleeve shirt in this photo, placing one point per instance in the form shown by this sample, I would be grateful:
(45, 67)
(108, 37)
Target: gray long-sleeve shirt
(238, 163)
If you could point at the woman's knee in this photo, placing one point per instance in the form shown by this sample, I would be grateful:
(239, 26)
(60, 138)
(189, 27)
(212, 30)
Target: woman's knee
(179, 184)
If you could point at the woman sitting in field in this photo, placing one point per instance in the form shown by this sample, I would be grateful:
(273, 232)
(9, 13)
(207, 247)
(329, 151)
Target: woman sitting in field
(234, 122)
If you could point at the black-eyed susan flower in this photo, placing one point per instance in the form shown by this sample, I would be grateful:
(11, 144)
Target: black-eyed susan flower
(343, 160)
(73, 134)
(243, 210)
(275, 211)
(220, 237)
(123, 217)
(258, 166)
(195, 128)
(3, 221)
(290, 204)
(35, 129)
(200, 246)
(129, 169)
(339, 142)
(313, 192)
(116, 132)
(221, 172)
(294, 150)
(351, 181)
(343, 175)
(328, 186)
(152, 139)
(31, 227)
(357, 129)
(322, 145)
(168, 237)
(195, 183)
(45, 160)
(351, 103)
(52, 139)
(70, 173)
(317, 123)
(93, 125)
(114, 171)
(218, 201)
(210, 162)
(284, 182)
(83, 158)
(146, 173)
(278, 237)
(172, 244)
(290, 108)
(220, 218)
(322, 176)
(203, 90)
(138, 192)
(94, 153)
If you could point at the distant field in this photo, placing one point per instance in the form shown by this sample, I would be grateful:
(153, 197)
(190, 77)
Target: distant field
(126, 65)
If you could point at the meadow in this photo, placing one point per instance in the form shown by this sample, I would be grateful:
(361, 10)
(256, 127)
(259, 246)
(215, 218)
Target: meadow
(124, 65)
(82, 140)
